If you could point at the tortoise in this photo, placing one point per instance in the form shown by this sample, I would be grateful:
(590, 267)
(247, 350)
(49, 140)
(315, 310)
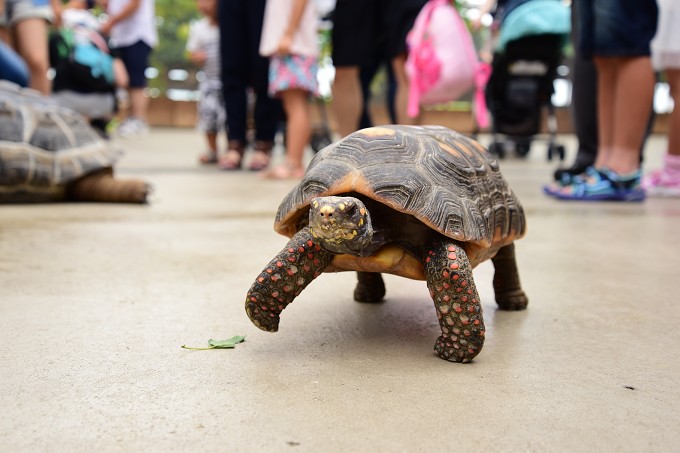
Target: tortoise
(425, 203)
(51, 153)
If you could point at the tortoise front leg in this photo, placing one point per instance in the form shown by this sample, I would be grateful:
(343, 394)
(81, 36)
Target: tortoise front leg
(300, 262)
(509, 293)
(449, 278)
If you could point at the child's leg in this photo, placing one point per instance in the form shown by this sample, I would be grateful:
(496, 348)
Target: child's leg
(298, 126)
(633, 94)
(606, 81)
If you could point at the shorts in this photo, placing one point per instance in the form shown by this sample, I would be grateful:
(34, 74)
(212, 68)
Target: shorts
(292, 72)
(364, 30)
(18, 10)
(616, 28)
(136, 60)
(212, 115)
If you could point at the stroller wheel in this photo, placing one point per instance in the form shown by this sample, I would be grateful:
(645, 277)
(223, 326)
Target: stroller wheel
(523, 148)
(560, 152)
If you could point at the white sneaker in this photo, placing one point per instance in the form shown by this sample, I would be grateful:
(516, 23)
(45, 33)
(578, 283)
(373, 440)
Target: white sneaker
(132, 127)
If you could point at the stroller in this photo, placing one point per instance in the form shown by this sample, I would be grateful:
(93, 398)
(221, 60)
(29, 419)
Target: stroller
(529, 49)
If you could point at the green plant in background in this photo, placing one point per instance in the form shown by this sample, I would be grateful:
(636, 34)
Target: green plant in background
(173, 18)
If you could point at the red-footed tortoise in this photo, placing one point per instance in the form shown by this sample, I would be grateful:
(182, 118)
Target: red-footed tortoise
(425, 203)
(50, 153)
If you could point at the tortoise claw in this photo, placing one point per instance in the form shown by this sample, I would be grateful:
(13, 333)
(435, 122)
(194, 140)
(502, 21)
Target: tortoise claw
(459, 350)
(512, 300)
(263, 319)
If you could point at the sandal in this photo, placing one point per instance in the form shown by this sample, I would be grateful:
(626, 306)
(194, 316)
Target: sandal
(231, 160)
(283, 171)
(604, 185)
(208, 158)
(261, 155)
(567, 179)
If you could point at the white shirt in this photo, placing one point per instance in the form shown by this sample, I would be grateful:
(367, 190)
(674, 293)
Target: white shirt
(276, 17)
(206, 37)
(140, 26)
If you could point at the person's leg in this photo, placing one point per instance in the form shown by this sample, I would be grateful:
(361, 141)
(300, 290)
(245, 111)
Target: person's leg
(401, 98)
(298, 128)
(354, 37)
(606, 82)
(30, 41)
(633, 94)
(584, 114)
(12, 67)
(347, 100)
(268, 110)
(139, 103)
(673, 77)
(136, 60)
(234, 61)
(666, 180)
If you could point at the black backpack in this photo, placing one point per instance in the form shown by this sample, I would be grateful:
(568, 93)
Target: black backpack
(80, 66)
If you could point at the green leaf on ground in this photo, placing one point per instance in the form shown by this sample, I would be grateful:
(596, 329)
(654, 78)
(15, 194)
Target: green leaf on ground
(220, 344)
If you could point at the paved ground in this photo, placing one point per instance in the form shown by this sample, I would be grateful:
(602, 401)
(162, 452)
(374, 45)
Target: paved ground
(96, 301)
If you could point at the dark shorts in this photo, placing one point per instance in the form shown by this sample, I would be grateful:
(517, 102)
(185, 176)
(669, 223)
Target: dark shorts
(364, 30)
(616, 28)
(136, 60)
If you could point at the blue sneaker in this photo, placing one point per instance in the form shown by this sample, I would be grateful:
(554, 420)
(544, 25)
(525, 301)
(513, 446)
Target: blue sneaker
(605, 186)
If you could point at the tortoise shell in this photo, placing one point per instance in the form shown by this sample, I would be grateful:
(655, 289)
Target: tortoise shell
(44, 147)
(445, 180)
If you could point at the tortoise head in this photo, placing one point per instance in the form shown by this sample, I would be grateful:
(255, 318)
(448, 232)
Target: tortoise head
(341, 224)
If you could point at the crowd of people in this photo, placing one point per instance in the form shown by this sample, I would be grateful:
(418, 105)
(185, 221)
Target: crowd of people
(269, 49)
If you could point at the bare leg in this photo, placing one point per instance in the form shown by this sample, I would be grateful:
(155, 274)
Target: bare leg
(673, 76)
(398, 65)
(298, 127)
(623, 116)
(30, 41)
(138, 103)
(347, 102)
(370, 287)
(506, 285)
(449, 278)
(300, 262)
(211, 139)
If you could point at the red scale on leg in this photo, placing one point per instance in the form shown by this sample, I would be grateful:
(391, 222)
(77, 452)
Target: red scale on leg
(449, 277)
(281, 281)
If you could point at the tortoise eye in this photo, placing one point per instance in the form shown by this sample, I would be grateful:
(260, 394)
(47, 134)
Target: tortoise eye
(351, 209)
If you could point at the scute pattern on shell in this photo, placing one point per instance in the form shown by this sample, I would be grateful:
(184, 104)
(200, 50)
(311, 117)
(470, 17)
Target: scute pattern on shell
(44, 146)
(441, 177)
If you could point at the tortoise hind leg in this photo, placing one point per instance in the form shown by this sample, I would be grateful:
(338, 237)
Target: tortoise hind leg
(449, 279)
(506, 285)
(370, 287)
(280, 282)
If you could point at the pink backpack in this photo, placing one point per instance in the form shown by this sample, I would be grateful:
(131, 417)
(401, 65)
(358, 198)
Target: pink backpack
(442, 63)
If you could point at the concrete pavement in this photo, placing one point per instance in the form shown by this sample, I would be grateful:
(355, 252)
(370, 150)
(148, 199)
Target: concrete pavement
(96, 301)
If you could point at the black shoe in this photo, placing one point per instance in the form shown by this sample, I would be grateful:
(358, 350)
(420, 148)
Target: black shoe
(577, 168)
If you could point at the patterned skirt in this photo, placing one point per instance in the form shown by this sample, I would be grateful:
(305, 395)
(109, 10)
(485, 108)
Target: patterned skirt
(292, 72)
